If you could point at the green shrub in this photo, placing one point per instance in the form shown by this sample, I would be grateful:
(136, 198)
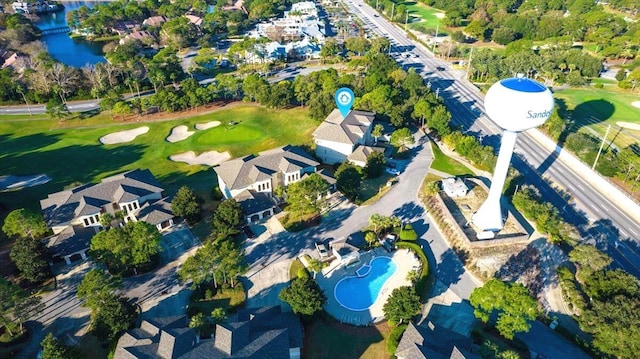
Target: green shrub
(216, 194)
(394, 338)
(303, 273)
(408, 233)
(424, 273)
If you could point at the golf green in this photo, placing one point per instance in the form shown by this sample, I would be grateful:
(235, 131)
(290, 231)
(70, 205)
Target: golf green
(70, 152)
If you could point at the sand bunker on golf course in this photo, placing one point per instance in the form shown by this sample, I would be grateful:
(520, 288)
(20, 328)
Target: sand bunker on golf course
(9, 182)
(210, 158)
(439, 15)
(636, 104)
(629, 125)
(179, 133)
(123, 136)
(208, 125)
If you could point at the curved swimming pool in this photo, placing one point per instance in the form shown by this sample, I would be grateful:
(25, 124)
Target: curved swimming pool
(360, 292)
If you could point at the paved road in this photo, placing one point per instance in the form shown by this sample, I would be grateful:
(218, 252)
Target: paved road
(598, 217)
(400, 201)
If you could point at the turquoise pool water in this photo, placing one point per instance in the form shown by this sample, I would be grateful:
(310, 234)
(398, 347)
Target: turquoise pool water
(359, 293)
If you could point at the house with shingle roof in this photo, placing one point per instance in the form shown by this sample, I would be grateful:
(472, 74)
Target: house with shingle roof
(339, 137)
(260, 333)
(252, 179)
(433, 342)
(74, 215)
(154, 21)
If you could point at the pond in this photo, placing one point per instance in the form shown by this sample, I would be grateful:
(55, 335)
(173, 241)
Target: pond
(72, 52)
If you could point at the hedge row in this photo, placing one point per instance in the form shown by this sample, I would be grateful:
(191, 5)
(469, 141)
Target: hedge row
(422, 280)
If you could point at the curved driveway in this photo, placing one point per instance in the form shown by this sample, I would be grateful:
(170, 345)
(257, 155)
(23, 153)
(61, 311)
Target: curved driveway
(400, 201)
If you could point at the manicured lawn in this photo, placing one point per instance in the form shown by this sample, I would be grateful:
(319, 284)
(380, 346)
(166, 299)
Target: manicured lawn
(426, 13)
(325, 338)
(373, 186)
(228, 299)
(296, 265)
(598, 108)
(446, 164)
(70, 151)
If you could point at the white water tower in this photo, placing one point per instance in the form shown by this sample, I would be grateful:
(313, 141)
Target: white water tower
(515, 104)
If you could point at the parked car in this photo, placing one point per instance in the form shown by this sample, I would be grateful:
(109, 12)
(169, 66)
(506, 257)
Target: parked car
(392, 171)
(248, 232)
(322, 249)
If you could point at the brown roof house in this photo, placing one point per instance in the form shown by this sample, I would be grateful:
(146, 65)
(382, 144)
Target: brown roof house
(433, 343)
(144, 36)
(252, 179)
(258, 333)
(74, 215)
(339, 139)
(154, 21)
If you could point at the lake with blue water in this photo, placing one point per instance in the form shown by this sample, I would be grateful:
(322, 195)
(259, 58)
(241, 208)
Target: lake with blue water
(72, 52)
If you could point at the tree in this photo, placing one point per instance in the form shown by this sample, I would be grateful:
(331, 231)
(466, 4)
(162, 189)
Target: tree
(52, 348)
(375, 164)
(381, 223)
(222, 260)
(23, 223)
(315, 265)
(121, 108)
(401, 138)
(307, 196)
(31, 257)
(111, 314)
(589, 260)
(304, 296)
(377, 132)
(371, 238)
(122, 248)
(439, 121)
(402, 305)
(348, 180)
(56, 109)
(198, 322)
(513, 303)
(218, 315)
(186, 204)
(227, 218)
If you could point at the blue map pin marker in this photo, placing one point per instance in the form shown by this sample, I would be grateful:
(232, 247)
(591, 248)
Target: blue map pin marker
(344, 100)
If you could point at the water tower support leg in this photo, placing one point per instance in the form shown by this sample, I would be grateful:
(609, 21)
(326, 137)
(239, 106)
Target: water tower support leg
(489, 216)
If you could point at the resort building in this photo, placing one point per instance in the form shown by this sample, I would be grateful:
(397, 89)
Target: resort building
(338, 138)
(433, 342)
(252, 179)
(264, 332)
(454, 187)
(300, 22)
(74, 215)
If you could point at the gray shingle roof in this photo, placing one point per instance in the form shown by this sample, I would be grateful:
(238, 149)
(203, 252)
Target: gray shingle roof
(156, 212)
(71, 240)
(439, 343)
(347, 130)
(361, 153)
(64, 206)
(253, 202)
(243, 172)
(260, 333)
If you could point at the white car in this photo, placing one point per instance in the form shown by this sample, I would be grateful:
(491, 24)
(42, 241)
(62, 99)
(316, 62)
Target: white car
(392, 171)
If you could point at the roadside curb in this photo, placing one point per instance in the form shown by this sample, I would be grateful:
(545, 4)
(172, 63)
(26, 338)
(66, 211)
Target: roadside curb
(626, 204)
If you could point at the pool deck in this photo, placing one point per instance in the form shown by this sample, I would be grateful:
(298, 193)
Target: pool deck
(331, 275)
